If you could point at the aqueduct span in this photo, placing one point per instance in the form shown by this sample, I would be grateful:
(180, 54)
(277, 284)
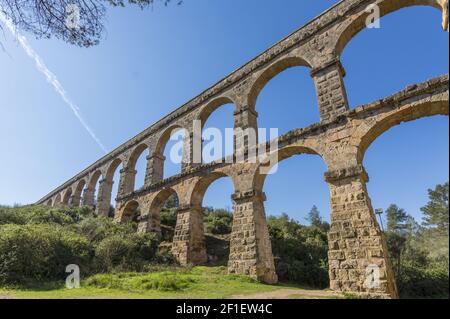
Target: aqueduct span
(340, 138)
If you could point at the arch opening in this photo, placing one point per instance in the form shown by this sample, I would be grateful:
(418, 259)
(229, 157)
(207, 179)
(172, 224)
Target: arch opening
(297, 210)
(213, 194)
(131, 213)
(113, 177)
(57, 200)
(285, 99)
(403, 163)
(171, 148)
(163, 213)
(399, 50)
(67, 195)
(79, 193)
(138, 163)
(217, 123)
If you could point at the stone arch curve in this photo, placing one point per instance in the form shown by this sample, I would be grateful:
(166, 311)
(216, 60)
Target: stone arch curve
(269, 73)
(93, 179)
(351, 27)
(110, 171)
(165, 136)
(212, 106)
(201, 186)
(49, 202)
(67, 195)
(160, 199)
(407, 114)
(275, 158)
(135, 154)
(57, 200)
(78, 190)
(129, 211)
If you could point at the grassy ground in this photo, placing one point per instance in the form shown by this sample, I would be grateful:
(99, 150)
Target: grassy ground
(198, 282)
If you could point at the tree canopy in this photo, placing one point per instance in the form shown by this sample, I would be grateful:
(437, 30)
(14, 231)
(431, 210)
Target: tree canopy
(77, 22)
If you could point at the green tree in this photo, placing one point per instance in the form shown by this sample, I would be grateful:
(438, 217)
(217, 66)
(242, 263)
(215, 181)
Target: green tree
(436, 211)
(314, 217)
(172, 202)
(396, 219)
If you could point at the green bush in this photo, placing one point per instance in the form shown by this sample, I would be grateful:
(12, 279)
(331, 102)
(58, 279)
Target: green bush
(126, 253)
(424, 282)
(300, 252)
(99, 228)
(169, 217)
(10, 216)
(37, 252)
(43, 215)
(218, 222)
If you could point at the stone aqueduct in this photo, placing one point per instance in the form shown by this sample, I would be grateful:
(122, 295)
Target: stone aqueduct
(340, 139)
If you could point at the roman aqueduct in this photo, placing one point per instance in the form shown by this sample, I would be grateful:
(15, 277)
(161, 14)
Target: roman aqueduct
(340, 138)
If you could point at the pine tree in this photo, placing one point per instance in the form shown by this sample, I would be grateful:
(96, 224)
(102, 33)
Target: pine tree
(436, 211)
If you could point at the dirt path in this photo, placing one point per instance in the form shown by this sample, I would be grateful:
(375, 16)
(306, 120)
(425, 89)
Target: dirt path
(291, 294)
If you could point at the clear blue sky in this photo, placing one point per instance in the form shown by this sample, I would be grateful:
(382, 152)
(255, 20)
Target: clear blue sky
(152, 61)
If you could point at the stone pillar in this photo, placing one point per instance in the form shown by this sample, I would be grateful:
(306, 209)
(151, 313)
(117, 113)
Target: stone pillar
(245, 129)
(250, 246)
(155, 169)
(330, 88)
(188, 162)
(189, 240)
(88, 197)
(358, 256)
(149, 223)
(127, 179)
(104, 198)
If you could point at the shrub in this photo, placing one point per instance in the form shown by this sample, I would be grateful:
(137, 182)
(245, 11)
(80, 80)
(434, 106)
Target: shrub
(50, 216)
(10, 216)
(300, 252)
(218, 222)
(126, 253)
(169, 217)
(99, 228)
(36, 252)
(424, 282)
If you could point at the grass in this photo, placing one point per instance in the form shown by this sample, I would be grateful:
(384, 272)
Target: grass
(189, 283)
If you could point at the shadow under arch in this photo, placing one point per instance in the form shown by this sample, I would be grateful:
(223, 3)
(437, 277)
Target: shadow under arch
(67, 195)
(79, 192)
(131, 212)
(426, 109)
(57, 200)
(89, 197)
(386, 6)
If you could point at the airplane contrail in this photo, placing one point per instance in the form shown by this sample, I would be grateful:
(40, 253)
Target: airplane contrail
(51, 77)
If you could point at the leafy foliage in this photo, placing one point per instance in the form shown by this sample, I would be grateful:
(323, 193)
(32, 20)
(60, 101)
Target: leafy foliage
(436, 211)
(36, 252)
(419, 254)
(38, 242)
(217, 221)
(300, 251)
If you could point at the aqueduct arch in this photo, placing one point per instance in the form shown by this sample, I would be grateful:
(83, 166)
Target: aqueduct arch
(340, 138)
